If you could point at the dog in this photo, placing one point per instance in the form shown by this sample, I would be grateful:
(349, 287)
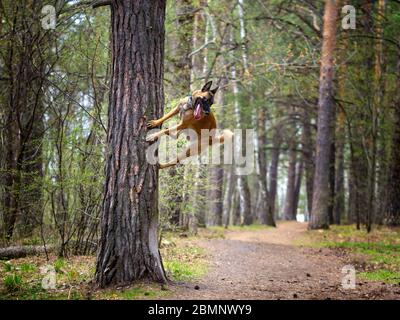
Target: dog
(195, 114)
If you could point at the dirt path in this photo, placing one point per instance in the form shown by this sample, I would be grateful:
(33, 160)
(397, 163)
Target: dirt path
(265, 264)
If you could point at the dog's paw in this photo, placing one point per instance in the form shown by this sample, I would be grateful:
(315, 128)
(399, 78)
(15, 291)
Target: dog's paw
(152, 137)
(153, 124)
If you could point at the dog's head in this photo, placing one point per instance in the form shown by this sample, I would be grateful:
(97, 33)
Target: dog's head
(203, 99)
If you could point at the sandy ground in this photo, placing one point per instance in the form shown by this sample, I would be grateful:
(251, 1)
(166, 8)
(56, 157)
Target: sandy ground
(266, 264)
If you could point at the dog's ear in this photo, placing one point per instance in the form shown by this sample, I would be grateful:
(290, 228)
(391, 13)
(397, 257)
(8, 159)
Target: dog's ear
(207, 86)
(214, 91)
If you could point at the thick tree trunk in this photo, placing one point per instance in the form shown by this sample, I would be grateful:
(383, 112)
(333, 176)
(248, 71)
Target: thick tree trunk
(321, 195)
(24, 61)
(129, 243)
(340, 136)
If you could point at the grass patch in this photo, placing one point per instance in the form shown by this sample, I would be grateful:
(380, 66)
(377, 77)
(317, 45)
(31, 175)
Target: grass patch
(139, 291)
(22, 278)
(13, 282)
(184, 262)
(381, 275)
(380, 248)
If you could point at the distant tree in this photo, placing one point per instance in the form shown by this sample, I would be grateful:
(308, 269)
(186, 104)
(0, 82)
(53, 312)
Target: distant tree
(392, 217)
(321, 192)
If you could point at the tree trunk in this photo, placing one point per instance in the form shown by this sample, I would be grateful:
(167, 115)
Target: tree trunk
(229, 195)
(392, 217)
(242, 183)
(297, 185)
(129, 243)
(289, 210)
(340, 136)
(273, 172)
(332, 180)
(217, 172)
(24, 60)
(321, 195)
(262, 210)
(380, 113)
(308, 158)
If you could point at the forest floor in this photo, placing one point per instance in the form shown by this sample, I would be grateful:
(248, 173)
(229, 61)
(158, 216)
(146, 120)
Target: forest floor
(249, 262)
(290, 262)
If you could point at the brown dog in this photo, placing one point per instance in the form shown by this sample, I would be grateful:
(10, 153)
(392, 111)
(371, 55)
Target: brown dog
(195, 114)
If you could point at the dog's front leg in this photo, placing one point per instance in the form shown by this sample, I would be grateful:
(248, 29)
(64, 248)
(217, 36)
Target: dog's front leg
(159, 122)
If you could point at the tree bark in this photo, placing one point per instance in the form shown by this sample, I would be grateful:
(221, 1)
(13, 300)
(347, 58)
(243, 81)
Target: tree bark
(289, 210)
(128, 248)
(265, 215)
(242, 183)
(340, 136)
(321, 194)
(25, 57)
(297, 185)
(392, 217)
(308, 158)
(273, 172)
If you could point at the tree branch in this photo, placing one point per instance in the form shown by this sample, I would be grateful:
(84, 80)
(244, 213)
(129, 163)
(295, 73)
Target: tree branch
(100, 3)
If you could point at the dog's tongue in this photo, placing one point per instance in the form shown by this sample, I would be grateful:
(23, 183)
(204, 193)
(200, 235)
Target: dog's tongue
(197, 112)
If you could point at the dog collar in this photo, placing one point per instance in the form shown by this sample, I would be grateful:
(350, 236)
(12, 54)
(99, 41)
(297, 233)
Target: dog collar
(190, 101)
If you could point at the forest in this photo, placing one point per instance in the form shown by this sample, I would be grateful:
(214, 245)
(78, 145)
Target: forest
(311, 91)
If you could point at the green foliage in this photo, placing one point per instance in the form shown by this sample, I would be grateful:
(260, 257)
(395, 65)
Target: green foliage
(13, 282)
(380, 248)
(185, 263)
(8, 266)
(381, 275)
(59, 264)
(27, 267)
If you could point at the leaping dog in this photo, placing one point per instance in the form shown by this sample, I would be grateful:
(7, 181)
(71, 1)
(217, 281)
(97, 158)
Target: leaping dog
(195, 113)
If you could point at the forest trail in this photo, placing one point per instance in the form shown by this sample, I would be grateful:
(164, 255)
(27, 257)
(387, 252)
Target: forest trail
(267, 264)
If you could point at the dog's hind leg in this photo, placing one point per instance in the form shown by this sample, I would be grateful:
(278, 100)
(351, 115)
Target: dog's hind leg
(192, 150)
(226, 135)
(173, 131)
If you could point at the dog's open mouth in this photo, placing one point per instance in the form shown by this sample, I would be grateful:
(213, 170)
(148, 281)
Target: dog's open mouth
(197, 111)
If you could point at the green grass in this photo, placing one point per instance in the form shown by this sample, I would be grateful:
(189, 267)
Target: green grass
(12, 282)
(185, 263)
(381, 275)
(139, 291)
(381, 248)
(27, 267)
(22, 278)
(59, 264)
